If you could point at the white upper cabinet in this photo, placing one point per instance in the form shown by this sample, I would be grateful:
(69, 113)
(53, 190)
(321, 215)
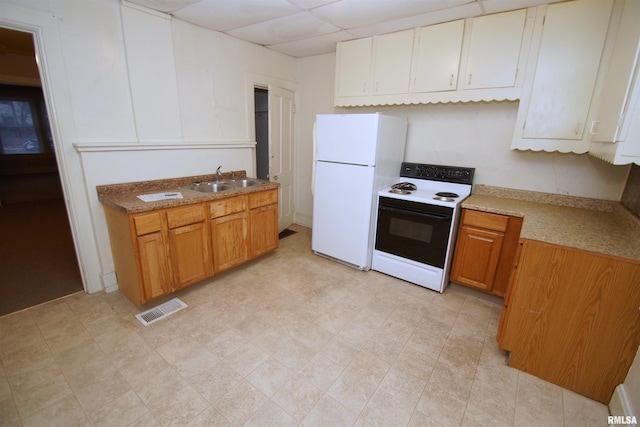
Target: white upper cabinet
(392, 62)
(353, 65)
(557, 97)
(494, 50)
(616, 128)
(423, 65)
(436, 57)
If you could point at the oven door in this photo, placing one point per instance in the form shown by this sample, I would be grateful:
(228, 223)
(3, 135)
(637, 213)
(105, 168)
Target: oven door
(413, 230)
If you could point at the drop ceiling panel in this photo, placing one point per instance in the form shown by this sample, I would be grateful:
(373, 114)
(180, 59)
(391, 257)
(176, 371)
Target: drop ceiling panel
(311, 27)
(281, 30)
(311, 4)
(314, 46)
(495, 6)
(165, 5)
(354, 13)
(464, 11)
(224, 15)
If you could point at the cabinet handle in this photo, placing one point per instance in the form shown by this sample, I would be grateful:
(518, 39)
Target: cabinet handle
(470, 75)
(594, 127)
(576, 131)
(451, 80)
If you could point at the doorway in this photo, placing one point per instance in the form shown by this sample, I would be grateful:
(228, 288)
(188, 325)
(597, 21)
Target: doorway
(261, 102)
(38, 262)
(274, 110)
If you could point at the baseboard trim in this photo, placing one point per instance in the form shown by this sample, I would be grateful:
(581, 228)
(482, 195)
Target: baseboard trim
(621, 403)
(109, 282)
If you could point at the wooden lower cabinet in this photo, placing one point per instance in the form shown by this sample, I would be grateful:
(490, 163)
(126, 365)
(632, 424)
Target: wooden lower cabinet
(156, 253)
(189, 244)
(154, 269)
(263, 219)
(229, 232)
(485, 249)
(572, 317)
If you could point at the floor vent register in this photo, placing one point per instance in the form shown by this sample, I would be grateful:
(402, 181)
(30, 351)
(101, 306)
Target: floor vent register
(160, 312)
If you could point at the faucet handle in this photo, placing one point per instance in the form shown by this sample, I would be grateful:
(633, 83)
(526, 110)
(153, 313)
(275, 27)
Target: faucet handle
(233, 175)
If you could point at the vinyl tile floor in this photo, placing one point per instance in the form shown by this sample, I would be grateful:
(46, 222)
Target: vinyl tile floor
(290, 339)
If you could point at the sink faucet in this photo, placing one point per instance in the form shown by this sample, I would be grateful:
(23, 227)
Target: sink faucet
(218, 174)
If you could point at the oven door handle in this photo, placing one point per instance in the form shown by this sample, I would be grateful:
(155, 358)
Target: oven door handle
(413, 211)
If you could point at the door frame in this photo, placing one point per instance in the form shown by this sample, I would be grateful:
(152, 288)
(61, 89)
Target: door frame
(253, 81)
(51, 67)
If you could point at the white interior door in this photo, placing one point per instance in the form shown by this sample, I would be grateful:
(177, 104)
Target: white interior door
(281, 109)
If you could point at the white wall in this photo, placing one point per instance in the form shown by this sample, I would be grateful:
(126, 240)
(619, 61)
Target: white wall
(110, 126)
(315, 96)
(626, 397)
(473, 134)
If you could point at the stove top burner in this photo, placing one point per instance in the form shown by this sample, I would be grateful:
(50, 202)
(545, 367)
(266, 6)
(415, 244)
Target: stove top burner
(399, 191)
(446, 195)
(404, 186)
(444, 199)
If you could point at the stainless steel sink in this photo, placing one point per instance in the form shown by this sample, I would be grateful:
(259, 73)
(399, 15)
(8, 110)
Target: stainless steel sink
(211, 187)
(244, 183)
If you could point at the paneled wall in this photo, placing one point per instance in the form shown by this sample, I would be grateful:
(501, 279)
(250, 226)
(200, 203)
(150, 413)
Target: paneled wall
(183, 108)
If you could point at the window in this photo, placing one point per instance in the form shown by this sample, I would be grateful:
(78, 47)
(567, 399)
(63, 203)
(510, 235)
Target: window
(24, 124)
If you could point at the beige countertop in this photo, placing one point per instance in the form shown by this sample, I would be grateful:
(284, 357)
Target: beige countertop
(124, 196)
(593, 225)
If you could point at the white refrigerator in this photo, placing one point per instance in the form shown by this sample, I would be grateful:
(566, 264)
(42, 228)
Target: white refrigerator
(355, 156)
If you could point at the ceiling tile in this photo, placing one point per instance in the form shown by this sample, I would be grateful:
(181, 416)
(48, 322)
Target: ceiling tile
(319, 45)
(358, 13)
(165, 5)
(311, 4)
(286, 29)
(416, 21)
(224, 15)
(311, 27)
(495, 6)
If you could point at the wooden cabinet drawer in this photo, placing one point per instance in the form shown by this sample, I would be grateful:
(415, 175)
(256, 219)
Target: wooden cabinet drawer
(263, 198)
(227, 206)
(485, 220)
(147, 223)
(178, 217)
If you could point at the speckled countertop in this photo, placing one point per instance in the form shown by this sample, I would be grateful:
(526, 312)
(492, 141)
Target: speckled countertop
(595, 225)
(124, 196)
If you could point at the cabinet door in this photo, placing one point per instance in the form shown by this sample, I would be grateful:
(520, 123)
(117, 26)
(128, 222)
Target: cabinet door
(353, 66)
(570, 49)
(189, 246)
(153, 266)
(229, 240)
(392, 62)
(436, 59)
(476, 257)
(263, 229)
(494, 50)
(618, 118)
(573, 318)
(619, 75)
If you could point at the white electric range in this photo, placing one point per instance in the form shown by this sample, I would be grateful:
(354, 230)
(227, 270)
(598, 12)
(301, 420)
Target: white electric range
(416, 223)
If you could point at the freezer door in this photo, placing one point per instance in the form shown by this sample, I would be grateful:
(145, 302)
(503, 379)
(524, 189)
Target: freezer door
(347, 138)
(342, 209)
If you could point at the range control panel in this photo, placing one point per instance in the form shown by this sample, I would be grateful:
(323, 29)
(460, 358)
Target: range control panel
(454, 174)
